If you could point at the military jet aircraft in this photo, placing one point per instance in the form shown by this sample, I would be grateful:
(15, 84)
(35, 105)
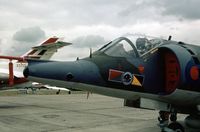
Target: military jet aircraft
(149, 73)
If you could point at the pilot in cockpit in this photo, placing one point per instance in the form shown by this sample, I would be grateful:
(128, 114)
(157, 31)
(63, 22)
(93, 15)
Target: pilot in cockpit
(143, 45)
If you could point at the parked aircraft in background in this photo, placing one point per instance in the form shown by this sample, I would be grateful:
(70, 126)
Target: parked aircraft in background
(148, 73)
(11, 74)
(39, 86)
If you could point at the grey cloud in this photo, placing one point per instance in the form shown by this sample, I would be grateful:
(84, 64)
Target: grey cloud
(140, 8)
(188, 9)
(24, 39)
(32, 34)
(80, 47)
(19, 48)
(69, 14)
(105, 17)
(77, 12)
(88, 41)
(144, 10)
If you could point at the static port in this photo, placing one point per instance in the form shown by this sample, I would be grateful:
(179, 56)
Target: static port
(69, 76)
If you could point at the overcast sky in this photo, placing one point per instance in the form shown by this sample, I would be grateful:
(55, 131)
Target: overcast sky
(91, 23)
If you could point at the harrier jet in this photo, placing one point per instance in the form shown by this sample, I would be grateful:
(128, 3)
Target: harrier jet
(148, 73)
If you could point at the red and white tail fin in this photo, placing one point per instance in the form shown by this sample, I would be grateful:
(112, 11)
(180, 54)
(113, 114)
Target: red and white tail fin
(45, 50)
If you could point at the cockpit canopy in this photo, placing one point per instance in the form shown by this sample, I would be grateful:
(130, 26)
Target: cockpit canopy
(131, 46)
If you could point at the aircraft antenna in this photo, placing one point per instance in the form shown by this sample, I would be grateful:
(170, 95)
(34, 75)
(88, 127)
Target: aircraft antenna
(170, 37)
(90, 52)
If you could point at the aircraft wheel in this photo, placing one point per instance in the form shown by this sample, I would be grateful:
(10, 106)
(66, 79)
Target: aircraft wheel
(173, 117)
(177, 127)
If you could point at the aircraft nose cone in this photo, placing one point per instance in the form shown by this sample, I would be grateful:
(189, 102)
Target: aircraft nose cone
(54, 72)
(26, 72)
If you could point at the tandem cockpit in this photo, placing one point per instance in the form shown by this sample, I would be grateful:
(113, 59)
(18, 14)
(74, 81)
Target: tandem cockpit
(131, 46)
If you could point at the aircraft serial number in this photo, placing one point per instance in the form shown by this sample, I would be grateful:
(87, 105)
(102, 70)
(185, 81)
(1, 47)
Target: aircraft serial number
(21, 65)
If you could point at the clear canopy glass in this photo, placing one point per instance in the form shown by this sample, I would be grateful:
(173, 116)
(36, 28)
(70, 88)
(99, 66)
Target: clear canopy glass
(131, 46)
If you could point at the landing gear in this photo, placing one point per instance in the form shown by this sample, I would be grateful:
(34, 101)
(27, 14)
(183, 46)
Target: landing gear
(58, 92)
(173, 117)
(169, 127)
(176, 127)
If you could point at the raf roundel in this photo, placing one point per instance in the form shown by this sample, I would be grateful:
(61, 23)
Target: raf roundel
(127, 78)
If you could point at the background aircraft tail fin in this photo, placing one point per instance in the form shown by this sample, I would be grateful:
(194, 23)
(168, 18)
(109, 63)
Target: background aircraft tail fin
(45, 50)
